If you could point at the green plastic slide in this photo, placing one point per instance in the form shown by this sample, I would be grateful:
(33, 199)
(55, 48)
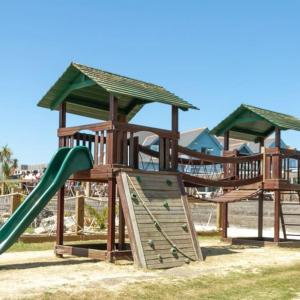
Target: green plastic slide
(65, 162)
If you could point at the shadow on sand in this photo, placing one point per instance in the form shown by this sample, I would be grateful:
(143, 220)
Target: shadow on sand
(215, 251)
(31, 265)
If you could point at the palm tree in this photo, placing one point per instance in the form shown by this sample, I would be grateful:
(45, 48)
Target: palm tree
(8, 165)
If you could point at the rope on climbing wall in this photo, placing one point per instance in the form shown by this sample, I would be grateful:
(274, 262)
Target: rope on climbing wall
(157, 223)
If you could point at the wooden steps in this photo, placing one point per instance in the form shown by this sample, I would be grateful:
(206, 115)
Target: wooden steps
(285, 221)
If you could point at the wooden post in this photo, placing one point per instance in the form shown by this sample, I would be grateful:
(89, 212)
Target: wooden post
(79, 212)
(224, 220)
(162, 154)
(121, 226)
(277, 137)
(219, 217)
(136, 152)
(122, 119)
(111, 134)
(277, 175)
(61, 192)
(111, 218)
(174, 147)
(224, 209)
(277, 216)
(226, 141)
(112, 156)
(87, 189)
(260, 213)
(15, 201)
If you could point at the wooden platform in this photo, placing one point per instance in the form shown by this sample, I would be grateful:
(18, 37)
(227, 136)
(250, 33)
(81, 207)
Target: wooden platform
(158, 220)
(235, 196)
(262, 242)
(94, 251)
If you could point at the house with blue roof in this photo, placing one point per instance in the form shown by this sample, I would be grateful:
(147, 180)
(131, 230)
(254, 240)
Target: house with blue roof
(198, 139)
(202, 141)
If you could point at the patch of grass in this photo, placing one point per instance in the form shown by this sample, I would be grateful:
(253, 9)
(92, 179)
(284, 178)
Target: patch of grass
(20, 246)
(270, 283)
(210, 234)
(29, 230)
(99, 217)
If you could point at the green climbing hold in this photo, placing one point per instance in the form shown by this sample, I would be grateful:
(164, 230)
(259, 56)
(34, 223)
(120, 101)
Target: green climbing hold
(166, 205)
(156, 224)
(151, 243)
(160, 258)
(139, 179)
(184, 227)
(169, 182)
(134, 198)
(173, 251)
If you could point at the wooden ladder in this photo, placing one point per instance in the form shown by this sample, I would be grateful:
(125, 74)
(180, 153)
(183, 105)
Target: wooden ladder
(283, 222)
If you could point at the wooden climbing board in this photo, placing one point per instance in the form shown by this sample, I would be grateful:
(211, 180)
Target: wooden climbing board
(158, 220)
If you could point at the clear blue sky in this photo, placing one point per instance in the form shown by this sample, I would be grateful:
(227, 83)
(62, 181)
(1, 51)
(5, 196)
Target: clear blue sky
(215, 54)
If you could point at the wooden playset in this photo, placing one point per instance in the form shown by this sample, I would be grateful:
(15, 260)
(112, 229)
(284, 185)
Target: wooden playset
(153, 205)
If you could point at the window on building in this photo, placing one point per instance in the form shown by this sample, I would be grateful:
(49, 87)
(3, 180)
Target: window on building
(206, 150)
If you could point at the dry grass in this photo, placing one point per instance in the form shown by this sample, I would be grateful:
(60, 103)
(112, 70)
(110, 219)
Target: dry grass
(269, 283)
(228, 272)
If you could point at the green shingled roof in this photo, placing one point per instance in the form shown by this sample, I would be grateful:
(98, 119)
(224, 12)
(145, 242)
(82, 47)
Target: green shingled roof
(86, 91)
(251, 123)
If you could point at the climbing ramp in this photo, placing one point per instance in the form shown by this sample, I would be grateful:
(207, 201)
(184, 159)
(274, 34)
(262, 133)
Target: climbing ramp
(158, 220)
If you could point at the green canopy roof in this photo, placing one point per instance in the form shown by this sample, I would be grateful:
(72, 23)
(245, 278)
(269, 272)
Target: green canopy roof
(251, 123)
(86, 91)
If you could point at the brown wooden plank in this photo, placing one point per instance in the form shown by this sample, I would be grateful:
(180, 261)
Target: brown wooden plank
(164, 221)
(158, 194)
(125, 149)
(190, 223)
(165, 248)
(128, 220)
(174, 235)
(84, 252)
(96, 148)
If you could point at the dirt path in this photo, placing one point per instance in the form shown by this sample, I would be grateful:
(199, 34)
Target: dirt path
(29, 274)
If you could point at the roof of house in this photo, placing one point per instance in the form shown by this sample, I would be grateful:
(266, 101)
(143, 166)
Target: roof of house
(237, 144)
(186, 137)
(86, 91)
(150, 139)
(143, 135)
(251, 123)
(234, 144)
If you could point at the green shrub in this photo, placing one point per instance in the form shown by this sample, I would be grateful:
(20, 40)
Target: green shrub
(99, 217)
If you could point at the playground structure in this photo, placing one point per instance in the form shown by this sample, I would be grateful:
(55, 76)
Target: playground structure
(152, 204)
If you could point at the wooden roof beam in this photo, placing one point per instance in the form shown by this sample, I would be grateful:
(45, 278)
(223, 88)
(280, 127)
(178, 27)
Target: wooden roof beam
(74, 86)
(250, 132)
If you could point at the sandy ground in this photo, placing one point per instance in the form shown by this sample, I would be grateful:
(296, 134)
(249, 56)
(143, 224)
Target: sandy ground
(242, 231)
(29, 274)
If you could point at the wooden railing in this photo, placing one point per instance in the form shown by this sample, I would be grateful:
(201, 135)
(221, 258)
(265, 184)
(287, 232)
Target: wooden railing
(117, 143)
(242, 167)
(280, 162)
(95, 141)
(210, 167)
